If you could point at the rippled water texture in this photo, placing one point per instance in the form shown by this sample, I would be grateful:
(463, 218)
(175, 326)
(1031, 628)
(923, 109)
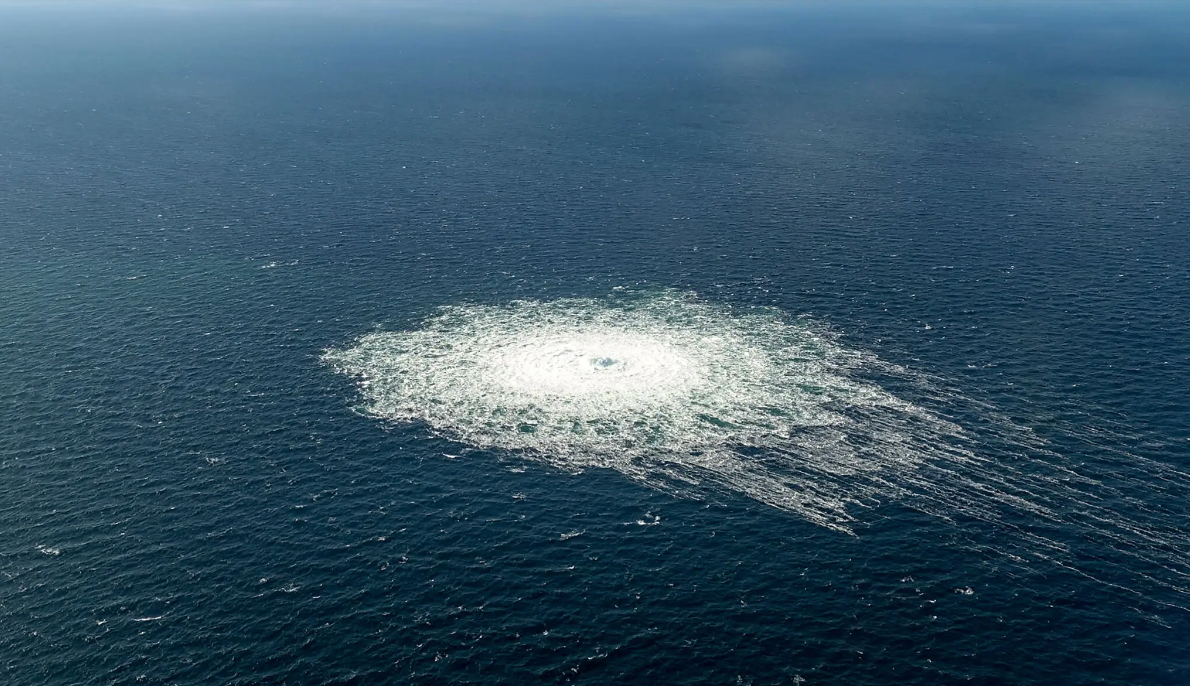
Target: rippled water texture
(594, 343)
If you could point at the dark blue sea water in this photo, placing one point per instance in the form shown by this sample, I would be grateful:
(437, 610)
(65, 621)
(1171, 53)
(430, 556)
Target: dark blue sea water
(198, 200)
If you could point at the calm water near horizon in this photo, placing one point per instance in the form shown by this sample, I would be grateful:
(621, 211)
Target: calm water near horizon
(660, 344)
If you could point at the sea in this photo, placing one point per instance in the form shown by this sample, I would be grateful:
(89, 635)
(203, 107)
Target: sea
(595, 343)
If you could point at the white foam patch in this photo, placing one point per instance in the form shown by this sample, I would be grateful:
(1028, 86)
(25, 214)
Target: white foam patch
(668, 390)
(696, 398)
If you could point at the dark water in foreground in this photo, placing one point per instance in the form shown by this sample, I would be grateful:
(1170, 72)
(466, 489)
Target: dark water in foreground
(195, 203)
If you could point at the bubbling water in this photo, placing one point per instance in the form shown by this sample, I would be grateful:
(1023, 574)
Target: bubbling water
(694, 398)
(669, 390)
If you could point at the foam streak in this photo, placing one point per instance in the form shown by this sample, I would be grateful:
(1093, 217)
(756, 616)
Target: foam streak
(694, 398)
